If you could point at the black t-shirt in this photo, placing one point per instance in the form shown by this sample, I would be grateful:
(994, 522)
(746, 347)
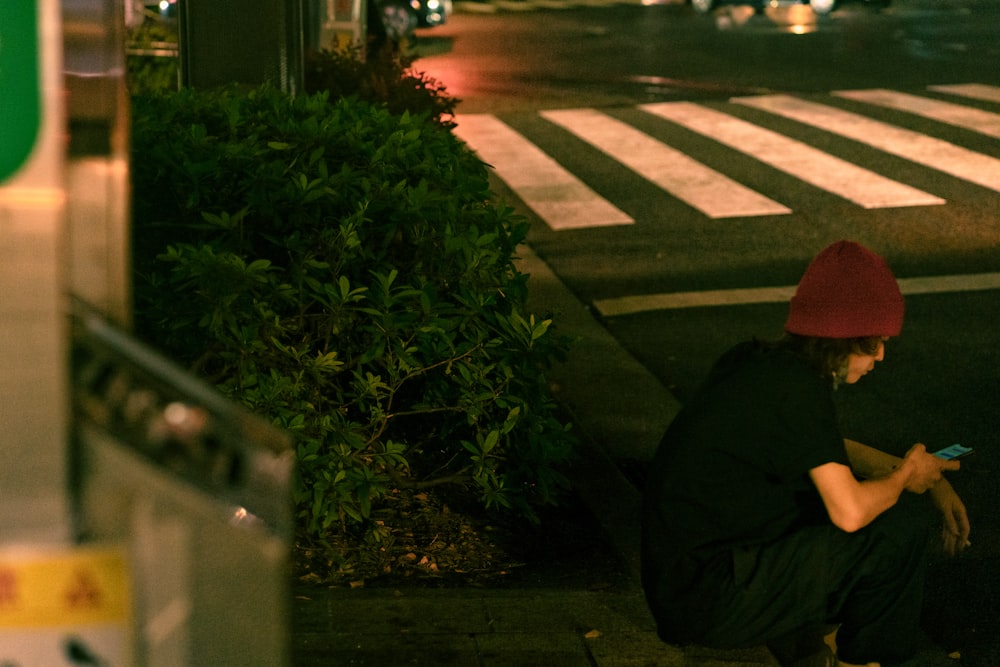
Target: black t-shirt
(733, 468)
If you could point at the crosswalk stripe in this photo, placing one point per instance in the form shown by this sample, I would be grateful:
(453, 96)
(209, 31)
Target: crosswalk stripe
(861, 186)
(921, 149)
(631, 305)
(705, 189)
(558, 197)
(975, 91)
(957, 115)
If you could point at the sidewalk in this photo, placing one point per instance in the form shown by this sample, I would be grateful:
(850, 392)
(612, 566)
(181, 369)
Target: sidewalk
(491, 628)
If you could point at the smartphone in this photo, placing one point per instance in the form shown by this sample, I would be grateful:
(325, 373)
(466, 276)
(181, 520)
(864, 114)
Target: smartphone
(955, 451)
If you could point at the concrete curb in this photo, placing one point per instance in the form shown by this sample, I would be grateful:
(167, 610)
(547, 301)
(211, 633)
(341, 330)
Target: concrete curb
(621, 415)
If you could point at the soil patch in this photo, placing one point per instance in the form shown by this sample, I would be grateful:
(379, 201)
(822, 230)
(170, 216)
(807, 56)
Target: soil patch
(440, 540)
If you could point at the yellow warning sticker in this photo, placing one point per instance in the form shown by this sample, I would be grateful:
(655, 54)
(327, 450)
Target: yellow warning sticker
(74, 587)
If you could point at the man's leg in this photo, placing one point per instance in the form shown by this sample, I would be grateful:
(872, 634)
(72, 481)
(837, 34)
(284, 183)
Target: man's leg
(871, 581)
(880, 604)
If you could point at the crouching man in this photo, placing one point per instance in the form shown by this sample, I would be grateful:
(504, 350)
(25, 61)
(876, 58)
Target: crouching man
(762, 524)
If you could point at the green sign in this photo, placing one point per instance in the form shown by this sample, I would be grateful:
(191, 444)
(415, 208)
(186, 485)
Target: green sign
(20, 99)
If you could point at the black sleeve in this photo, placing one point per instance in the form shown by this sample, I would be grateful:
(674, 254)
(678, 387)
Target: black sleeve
(807, 422)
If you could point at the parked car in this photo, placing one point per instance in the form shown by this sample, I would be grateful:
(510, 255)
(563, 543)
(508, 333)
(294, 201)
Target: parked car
(820, 7)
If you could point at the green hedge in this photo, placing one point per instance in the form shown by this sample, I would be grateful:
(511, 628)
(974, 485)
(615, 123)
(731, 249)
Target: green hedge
(346, 272)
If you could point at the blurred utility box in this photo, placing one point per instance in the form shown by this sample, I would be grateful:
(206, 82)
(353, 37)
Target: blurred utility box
(195, 491)
(245, 42)
(144, 519)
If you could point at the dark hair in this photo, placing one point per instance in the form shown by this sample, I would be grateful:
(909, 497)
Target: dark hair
(829, 355)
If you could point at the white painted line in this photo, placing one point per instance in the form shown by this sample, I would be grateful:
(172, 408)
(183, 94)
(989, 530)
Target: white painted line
(934, 153)
(975, 91)
(707, 190)
(957, 115)
(861, 186)
(630, 305)
(972, 282)
(558, 197)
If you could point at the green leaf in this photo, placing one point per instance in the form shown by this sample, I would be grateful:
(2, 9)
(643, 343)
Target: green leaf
(538, 330)
(492, 438)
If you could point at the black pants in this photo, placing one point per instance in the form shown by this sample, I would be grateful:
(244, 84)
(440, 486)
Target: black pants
(871, 582)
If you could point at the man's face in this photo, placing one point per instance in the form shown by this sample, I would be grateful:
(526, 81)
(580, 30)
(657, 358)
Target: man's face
(859, 364)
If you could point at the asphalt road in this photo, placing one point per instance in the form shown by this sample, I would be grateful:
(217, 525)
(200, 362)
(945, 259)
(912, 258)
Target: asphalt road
(940, 381)
(504, 55)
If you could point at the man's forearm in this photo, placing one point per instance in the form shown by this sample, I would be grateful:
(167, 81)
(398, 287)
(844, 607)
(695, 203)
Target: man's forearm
(868, 462)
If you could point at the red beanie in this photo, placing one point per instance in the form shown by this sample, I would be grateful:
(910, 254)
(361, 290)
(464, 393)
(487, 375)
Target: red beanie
(847, 292)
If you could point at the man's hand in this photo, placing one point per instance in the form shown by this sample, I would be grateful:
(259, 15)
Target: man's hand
(924, 470)
(874, 464)
(955, 525)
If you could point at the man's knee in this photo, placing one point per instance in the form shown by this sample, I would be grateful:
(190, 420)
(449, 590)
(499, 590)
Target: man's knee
(901, 537)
